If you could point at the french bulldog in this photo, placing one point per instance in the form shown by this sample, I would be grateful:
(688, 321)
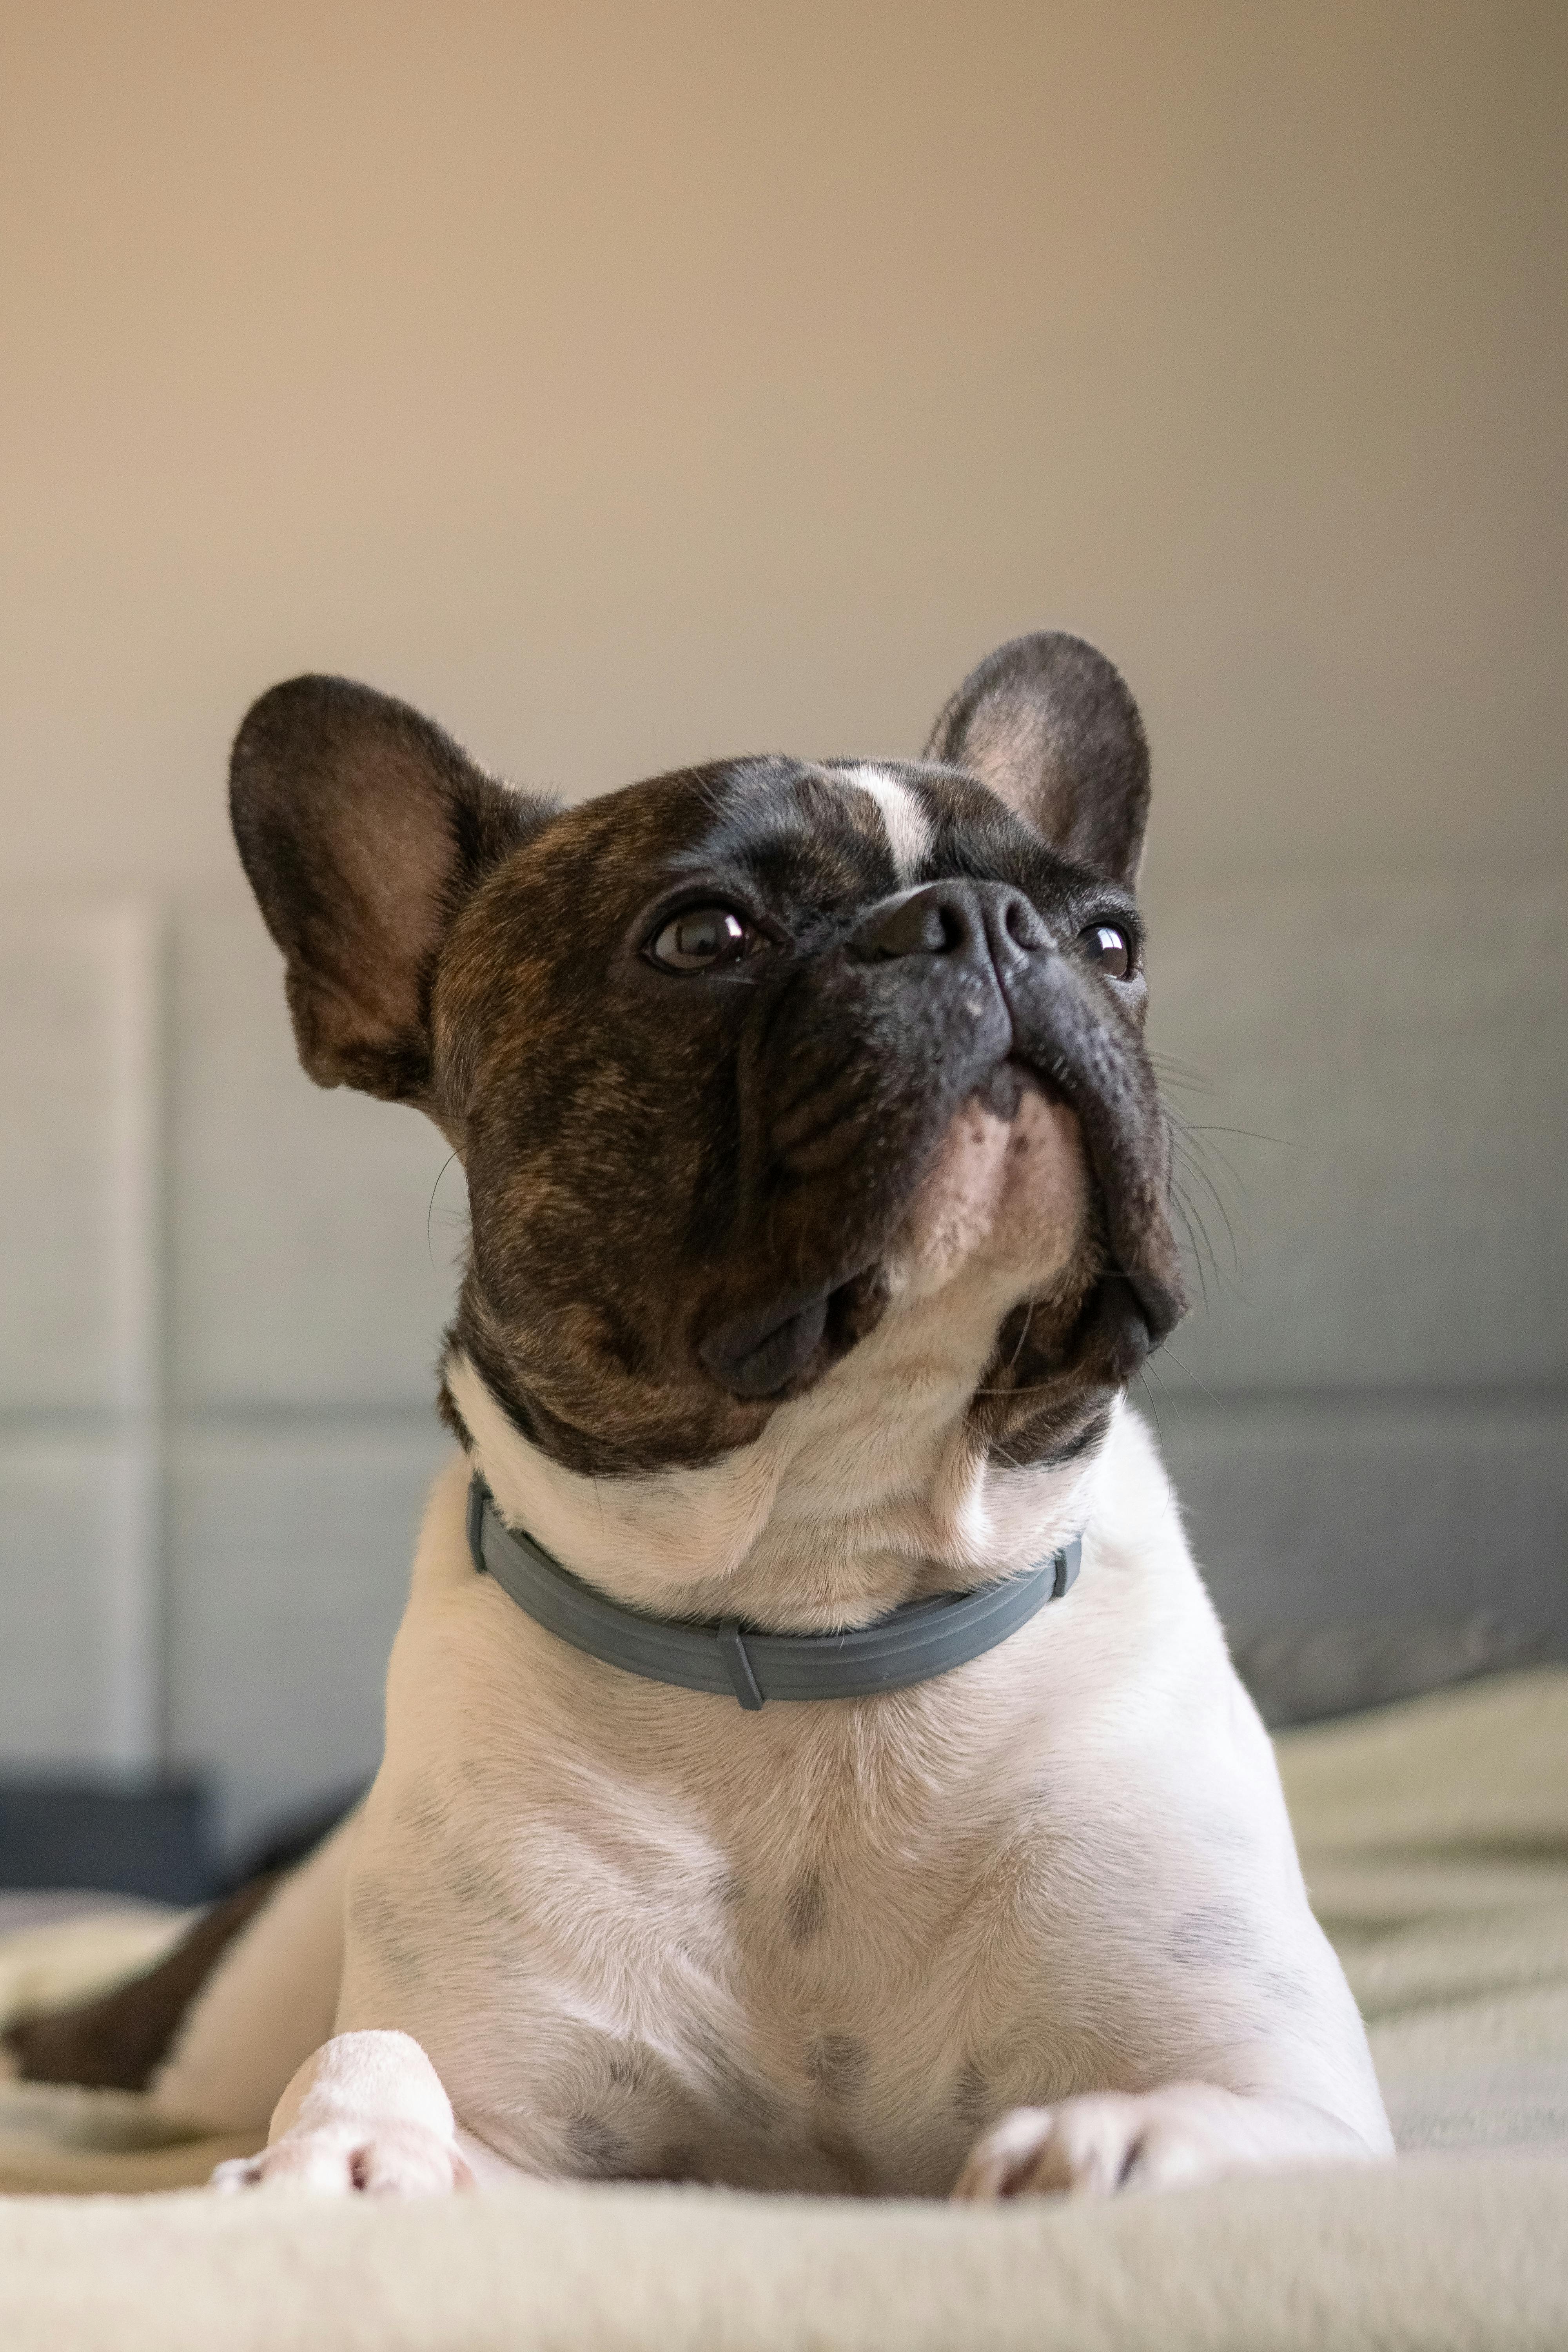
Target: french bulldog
(819, 1193)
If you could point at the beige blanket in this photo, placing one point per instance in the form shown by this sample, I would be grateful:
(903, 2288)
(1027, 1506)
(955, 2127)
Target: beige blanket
(1435, 1836)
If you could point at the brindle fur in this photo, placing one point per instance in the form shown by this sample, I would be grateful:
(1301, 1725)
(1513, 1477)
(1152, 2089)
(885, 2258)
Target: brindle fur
(651, 1162)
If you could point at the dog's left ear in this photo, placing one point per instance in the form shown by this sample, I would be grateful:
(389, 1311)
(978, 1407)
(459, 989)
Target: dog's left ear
(1048, 724)
(363, 829)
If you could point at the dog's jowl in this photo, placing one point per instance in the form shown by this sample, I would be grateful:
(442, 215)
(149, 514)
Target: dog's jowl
(812, 1759)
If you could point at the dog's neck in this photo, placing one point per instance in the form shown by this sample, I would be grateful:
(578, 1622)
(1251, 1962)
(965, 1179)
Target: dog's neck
(868, 1491)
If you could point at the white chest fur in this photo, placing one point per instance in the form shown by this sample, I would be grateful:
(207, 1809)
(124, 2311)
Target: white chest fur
(638, 1930)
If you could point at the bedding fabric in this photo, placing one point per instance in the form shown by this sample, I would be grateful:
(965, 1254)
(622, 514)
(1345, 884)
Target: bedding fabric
(1434, 1837)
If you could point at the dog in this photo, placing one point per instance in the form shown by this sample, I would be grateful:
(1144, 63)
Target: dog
(819, 1193)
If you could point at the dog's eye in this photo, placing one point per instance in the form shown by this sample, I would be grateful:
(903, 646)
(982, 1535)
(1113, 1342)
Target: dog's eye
(1110, 949)
(702, 940)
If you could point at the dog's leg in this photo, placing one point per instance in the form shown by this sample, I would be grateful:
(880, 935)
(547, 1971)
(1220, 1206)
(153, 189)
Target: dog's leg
(270, 2000)
(367, 2115)
(1225, 1985)
(1181, 2133)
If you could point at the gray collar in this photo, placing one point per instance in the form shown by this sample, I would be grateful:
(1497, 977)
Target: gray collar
(909, 1645)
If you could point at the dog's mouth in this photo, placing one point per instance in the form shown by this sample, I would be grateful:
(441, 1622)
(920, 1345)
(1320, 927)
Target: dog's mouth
(1001, 1091)
(758, 1355)
(765, 1351)
(1034, 1168)
(1144, 1306)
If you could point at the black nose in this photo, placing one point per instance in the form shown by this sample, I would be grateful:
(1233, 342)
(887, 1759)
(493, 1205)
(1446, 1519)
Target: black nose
(969, 919)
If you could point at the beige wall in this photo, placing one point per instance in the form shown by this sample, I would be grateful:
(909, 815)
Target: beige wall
(631, 385)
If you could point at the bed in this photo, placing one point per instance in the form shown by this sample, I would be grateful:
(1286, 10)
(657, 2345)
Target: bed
(1434, 1832)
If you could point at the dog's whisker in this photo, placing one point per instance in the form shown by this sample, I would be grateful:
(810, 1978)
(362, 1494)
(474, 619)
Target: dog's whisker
(1152, 1402)
(1183, 1365)
(1285, 1142)
(1197, 1240)
(1204, 1253)
(1196, 1169)
(435, 1188)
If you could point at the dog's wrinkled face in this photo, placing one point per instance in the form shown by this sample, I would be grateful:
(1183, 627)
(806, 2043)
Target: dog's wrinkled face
(740, 1059)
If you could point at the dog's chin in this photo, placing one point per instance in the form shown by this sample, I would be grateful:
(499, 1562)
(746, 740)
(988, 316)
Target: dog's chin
(1007, 1198)
(1004, 1207)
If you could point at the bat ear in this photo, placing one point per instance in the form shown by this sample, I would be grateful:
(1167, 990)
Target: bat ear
(363, 829)
(1047, 723)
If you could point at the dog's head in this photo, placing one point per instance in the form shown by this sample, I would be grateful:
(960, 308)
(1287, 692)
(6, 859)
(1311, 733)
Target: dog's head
(747, 1061)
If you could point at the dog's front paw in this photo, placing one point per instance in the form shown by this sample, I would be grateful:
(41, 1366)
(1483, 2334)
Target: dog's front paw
(366, 2114)
(394, 2160)
(1115, 2139)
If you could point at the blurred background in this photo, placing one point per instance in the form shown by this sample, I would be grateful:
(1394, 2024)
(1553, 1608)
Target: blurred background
(631, 385)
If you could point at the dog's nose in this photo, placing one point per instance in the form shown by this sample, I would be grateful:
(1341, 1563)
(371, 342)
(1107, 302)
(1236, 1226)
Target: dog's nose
(968, 919)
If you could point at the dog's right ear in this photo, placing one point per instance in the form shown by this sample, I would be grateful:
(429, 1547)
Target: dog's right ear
(1050, 727)
(363, 829)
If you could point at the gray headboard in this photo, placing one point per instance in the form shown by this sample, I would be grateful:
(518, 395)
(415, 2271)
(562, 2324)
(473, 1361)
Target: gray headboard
(221, 1291)
(1368, 1418)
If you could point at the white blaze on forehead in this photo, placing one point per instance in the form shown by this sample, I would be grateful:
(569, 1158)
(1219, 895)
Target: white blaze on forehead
(909, 827)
